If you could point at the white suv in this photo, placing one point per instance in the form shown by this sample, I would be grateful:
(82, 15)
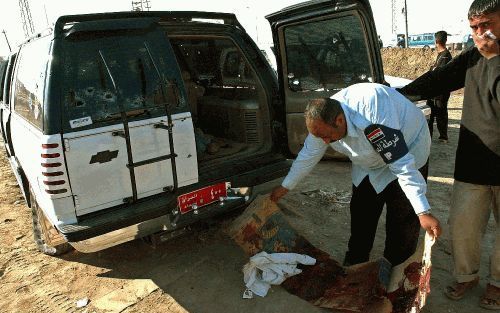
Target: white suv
(123, 125)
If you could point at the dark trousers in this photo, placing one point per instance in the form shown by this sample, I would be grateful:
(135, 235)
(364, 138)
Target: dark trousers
(402, 224)
(440, 114)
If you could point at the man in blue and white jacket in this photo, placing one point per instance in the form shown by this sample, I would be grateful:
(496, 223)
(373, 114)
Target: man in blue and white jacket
(387, 139)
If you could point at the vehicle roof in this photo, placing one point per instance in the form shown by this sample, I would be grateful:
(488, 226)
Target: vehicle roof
(163, 16)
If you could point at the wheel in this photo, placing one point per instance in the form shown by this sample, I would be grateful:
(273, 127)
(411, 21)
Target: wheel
(47, 239)
(426, 47)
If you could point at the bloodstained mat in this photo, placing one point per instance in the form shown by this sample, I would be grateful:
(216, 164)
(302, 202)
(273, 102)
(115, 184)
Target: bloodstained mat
(371, 287)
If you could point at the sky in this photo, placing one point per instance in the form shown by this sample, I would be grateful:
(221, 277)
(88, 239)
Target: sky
(423, 15)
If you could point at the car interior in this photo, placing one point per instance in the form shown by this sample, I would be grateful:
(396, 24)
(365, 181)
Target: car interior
(226, 98)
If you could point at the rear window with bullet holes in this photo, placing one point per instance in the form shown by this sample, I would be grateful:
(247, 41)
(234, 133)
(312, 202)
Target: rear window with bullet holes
(107, 74)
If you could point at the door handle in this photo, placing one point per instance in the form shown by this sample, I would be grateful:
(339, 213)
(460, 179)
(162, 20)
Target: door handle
(163, 126)
(119, 133)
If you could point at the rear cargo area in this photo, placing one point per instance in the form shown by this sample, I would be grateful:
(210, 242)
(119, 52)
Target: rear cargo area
(226, 99)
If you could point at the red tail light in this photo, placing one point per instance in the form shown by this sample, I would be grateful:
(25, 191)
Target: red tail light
(51, 164)
(52, 151)
(51, 174)
(55, 192)
(50, 145)
(50, 155)
(53, 183)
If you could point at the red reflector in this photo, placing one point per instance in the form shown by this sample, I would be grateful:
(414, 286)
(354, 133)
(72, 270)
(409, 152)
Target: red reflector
(51, 164)
(55, 192)
(50, 145)
(50, 155)
(52, 173)
(55, 182)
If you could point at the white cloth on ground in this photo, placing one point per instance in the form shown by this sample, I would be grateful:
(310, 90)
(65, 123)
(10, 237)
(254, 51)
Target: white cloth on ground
(264, 269)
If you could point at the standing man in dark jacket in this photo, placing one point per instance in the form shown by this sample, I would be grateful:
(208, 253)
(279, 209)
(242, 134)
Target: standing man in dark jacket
(439, 105)
(476, 190)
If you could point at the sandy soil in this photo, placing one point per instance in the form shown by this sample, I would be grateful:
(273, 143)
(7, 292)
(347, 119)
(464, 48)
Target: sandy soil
(201, 271)
(409, 63)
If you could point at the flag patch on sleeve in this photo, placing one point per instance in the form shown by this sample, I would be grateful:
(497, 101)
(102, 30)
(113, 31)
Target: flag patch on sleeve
(388, 142)
(376, 135)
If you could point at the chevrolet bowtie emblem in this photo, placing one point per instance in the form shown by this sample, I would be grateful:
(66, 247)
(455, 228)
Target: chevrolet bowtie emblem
(103, 156)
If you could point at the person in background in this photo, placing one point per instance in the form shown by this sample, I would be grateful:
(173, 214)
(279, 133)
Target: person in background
(439, 104)
(387, 139)
(401, 41)
(476, 189)
(380, 43)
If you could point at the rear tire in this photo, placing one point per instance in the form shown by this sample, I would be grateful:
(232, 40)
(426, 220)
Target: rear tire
(47, 239)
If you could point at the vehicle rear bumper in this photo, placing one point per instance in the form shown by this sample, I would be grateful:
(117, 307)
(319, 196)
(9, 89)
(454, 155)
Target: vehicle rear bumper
(166, 223)
(159, 212)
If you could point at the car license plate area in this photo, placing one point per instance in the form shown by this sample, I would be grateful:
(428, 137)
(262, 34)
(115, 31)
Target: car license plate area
(201, 197)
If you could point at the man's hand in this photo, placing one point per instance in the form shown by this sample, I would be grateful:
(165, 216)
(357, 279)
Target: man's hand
(488, 47)
(278, 193)
(431, 225)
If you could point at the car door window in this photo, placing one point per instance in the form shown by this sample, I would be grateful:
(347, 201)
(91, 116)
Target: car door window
(3, 74)
(327, 54)
(30, 80)
(218, 65)
(8, 81)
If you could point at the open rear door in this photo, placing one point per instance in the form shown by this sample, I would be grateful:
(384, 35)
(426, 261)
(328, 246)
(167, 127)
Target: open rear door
(322, 47)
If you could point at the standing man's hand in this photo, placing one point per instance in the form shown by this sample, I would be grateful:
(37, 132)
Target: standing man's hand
(278, 193)
(487, 46)
(430, 224)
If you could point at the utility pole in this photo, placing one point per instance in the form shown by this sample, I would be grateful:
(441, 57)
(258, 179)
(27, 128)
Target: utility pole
(406, 25)
(394, 17)
(142, 5)
(26, 18)
(6, 39)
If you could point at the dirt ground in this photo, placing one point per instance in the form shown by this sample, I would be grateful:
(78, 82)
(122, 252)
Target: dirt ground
(201, 271)
(409, 63)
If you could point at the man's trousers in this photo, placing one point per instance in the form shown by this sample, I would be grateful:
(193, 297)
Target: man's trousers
(402, 224)
(471, 208)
